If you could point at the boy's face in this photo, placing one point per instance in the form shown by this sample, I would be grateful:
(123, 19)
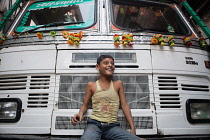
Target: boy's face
(106, 67)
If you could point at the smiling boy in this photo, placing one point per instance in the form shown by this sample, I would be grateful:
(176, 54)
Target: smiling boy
(107, 96)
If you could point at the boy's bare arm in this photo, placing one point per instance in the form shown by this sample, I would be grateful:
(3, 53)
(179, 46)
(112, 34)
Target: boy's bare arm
(88, 95)
(125, 107)
(84, 107)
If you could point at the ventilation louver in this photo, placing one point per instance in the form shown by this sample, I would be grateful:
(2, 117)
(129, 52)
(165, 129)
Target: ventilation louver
(13, 83)
(40, 82)
(170, 101)
(195, 87)
(167, 83)
(38, 100)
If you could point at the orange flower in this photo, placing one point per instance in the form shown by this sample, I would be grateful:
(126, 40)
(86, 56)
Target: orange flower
(39, 35)
(70, 42)
(81, 34)
(65, 34)
(117, 43)
(154, 40)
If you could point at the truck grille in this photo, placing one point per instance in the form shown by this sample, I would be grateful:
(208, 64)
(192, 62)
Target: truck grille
(63, 122)
(72, 90)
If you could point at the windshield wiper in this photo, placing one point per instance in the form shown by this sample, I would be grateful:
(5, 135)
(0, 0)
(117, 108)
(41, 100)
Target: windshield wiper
(54, 24)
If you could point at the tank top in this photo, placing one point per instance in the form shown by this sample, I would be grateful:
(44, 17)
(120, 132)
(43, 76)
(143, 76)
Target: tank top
(105, 104)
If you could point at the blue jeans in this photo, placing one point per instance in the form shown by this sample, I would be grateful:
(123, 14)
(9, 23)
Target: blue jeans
(96, 130)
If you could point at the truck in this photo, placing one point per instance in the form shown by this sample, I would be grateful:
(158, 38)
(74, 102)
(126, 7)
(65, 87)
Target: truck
(48, 54)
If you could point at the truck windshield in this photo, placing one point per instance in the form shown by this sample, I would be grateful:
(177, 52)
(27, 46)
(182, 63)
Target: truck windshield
(148, 16)
(81, 13)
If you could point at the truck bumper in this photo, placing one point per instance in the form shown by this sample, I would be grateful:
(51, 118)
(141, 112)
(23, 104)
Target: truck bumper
(50, 137)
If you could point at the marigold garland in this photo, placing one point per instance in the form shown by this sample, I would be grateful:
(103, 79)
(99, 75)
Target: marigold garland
(154, 40)
(127, 39)
(171, 40)
(187, 41)
(116, 38)
(202, 42)
(53, 33)
(39, 35)
(65, 34)
(73, 38)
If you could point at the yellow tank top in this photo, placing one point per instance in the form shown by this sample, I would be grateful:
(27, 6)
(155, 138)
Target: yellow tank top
(105, 104)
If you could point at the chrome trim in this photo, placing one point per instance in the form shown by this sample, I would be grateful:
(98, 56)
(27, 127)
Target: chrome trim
(17, 19)
(186, 21)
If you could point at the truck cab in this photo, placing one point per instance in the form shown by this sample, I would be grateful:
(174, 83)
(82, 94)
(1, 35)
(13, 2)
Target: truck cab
(50, 54)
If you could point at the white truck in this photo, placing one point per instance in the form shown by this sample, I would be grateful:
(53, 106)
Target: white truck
(49, 55)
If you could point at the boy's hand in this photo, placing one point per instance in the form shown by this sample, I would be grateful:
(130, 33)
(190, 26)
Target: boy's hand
(133, 131)
(76, 118)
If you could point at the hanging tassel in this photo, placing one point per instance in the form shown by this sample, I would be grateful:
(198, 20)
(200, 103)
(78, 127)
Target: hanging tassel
(116, 38)
(202, 42)
(186, 41)
(171, 40)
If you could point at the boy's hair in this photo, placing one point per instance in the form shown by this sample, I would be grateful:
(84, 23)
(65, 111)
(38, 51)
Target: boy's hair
(102, 57)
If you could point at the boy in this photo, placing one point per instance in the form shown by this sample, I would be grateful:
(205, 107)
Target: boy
(107, 96)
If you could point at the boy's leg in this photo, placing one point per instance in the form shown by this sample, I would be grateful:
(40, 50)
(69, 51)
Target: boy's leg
(118, 133)
(92, 131)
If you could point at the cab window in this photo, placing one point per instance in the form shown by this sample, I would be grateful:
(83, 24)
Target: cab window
(148, 16)
(58, 15)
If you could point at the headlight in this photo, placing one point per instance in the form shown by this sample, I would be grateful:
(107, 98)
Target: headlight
(10, 109)
(198, 110)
